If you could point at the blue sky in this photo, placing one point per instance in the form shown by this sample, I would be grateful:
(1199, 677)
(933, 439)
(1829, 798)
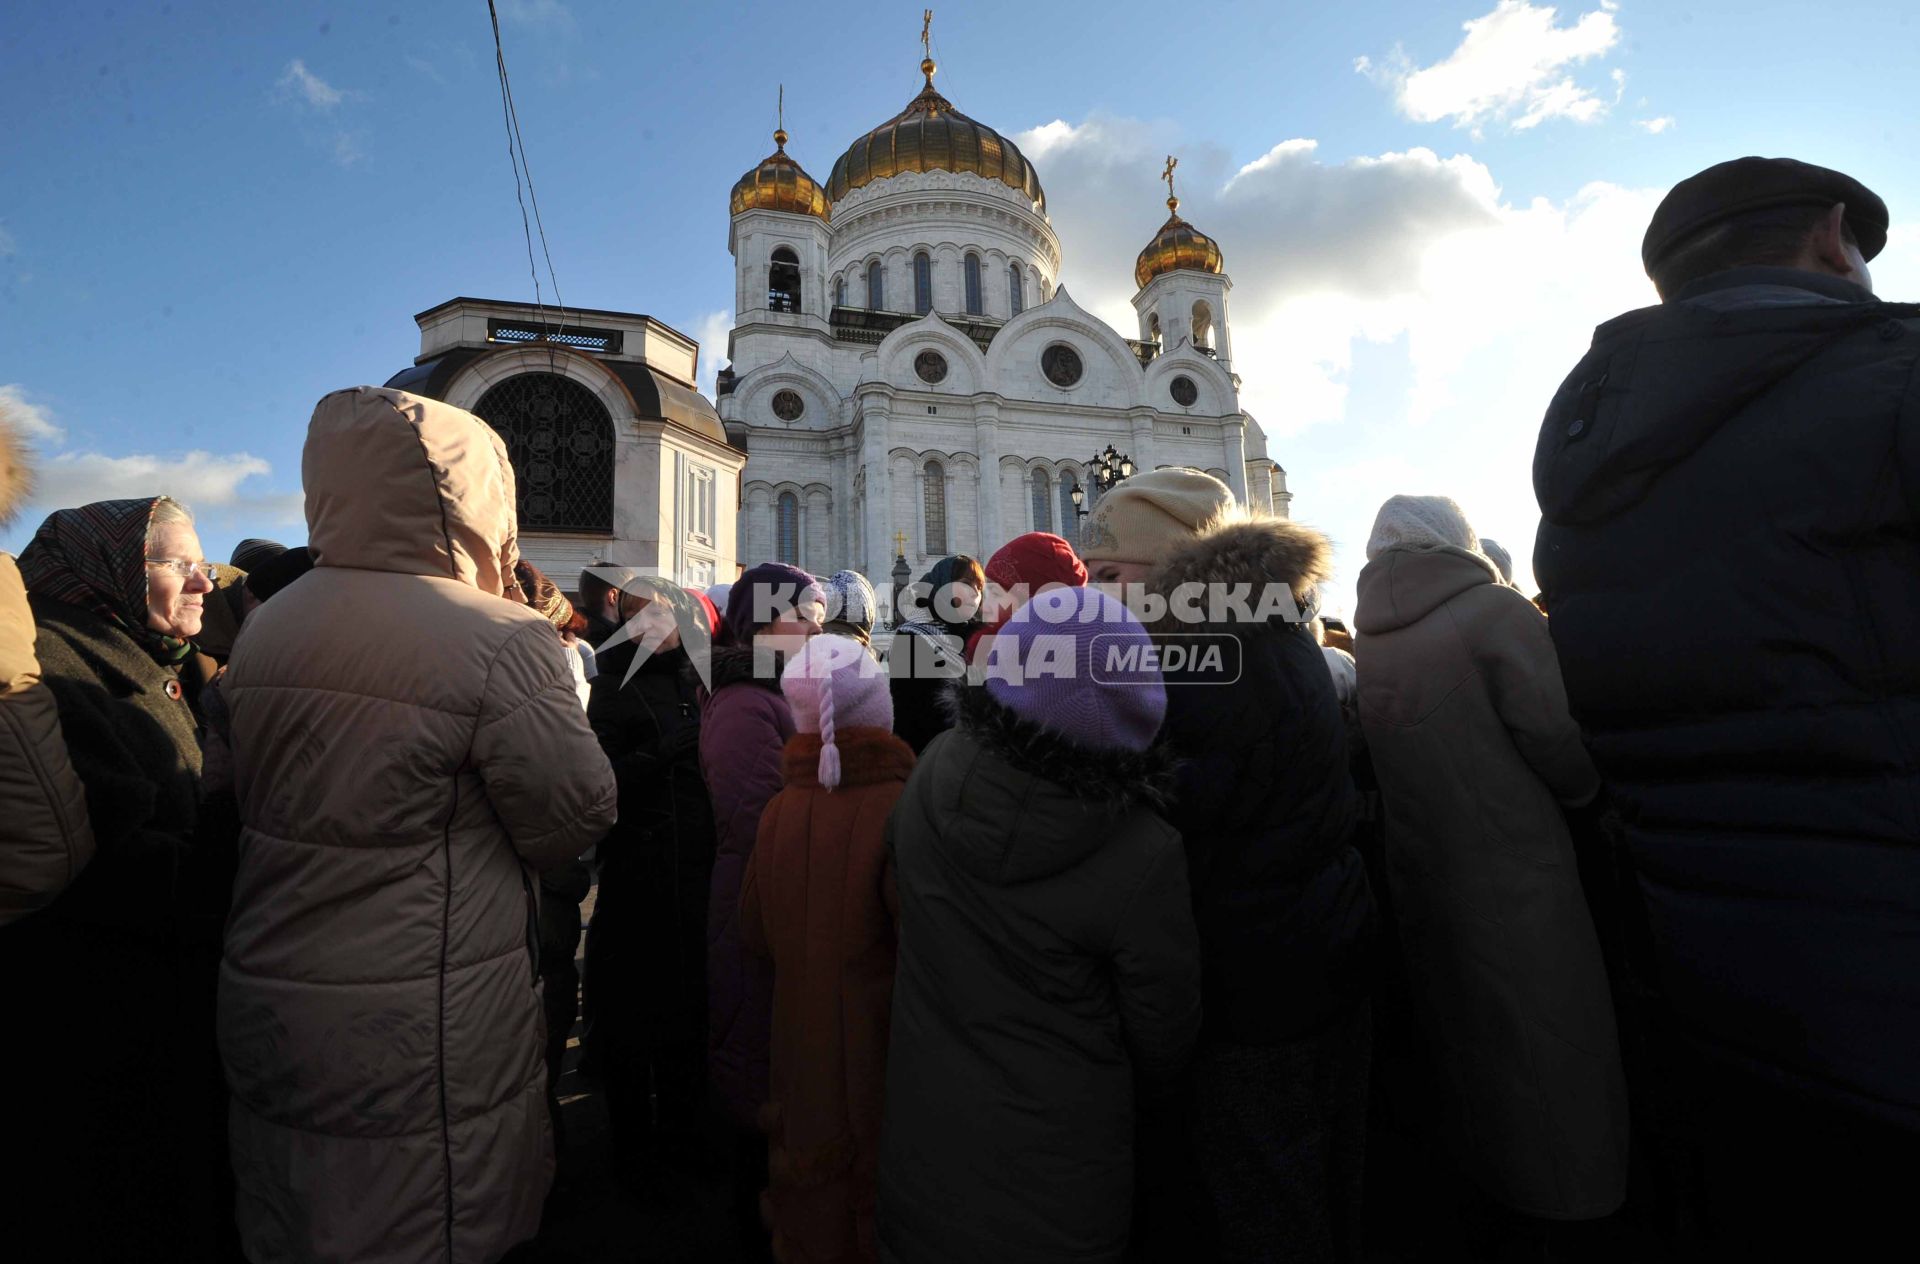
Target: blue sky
(215, 213)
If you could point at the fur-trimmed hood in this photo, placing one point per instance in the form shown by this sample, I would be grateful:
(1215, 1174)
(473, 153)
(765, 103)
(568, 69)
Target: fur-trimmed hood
(1258, 552)
(16, 466)
(1018, 803)
(733, 665)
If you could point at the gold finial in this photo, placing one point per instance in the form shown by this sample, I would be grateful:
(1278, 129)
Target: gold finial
(780, 128)
(1173, 203)
(927, 66)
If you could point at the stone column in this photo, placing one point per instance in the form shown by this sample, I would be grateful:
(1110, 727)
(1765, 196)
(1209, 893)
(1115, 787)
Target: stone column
(879, 508)
(1233, 443)
(1142, 453)
(986, 446)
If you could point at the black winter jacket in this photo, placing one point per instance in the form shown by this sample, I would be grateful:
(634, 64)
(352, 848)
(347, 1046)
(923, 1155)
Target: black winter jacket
(1047, 956)
(1265, 802)
(1731, 558)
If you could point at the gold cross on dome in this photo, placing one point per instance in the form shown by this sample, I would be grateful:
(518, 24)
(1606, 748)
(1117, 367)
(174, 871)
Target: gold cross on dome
(1167, 175)
(926, 37)
(900, 537)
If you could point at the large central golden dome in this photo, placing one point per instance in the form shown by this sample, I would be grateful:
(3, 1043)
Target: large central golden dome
(930, 135)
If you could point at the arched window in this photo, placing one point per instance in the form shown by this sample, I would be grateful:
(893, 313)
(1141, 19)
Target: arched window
(840, 291)
(1153, 328)
(783, 281)
(1069, 515)
(973, 285)
(922, 284)
(560, 441)
(786, 529)
(934, 494)
(1016, 290)
(876, 287)
(1042, 502)
(1202, 326)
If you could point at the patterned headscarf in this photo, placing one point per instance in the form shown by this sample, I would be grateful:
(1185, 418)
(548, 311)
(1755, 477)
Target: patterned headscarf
(95, 557)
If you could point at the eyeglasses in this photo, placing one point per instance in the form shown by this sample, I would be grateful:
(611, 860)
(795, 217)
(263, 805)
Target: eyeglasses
(184, 569)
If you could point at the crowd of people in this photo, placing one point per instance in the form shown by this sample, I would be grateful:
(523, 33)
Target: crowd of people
(976, 923)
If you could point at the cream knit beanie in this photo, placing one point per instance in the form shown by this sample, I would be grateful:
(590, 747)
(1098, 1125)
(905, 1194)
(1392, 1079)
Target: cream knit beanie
(1152, 514)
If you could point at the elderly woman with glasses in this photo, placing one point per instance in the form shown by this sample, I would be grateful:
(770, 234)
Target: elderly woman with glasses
(111, 987)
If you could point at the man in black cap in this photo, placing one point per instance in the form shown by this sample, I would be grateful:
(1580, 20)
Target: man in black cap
(1730, 485)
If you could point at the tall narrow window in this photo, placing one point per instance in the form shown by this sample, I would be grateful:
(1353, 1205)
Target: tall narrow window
(1016, 290)
(1069, 515)
(934, 477)
(1153, 329)
(783, 281)
(922, 284)
(973, 285)
(840, 291)
(786, 529)
(1202, 327)
(876, 287)
(1042, 503)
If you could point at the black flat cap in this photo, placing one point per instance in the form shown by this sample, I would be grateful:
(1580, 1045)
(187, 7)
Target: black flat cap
(1755, 184)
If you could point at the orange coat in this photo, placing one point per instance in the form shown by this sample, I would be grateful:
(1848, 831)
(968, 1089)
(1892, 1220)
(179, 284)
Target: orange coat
(819, 900)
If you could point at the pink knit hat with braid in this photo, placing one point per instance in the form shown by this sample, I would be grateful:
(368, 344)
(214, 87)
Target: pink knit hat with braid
(834, 684)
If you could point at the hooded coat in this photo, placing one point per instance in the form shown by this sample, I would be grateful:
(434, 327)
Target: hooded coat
(1047, 959)
(1730, 542)
(1466, 718)
(408, 749)
(1264, 801)
(48, 840)
(744, 727)
(928, 654)
(819, 902)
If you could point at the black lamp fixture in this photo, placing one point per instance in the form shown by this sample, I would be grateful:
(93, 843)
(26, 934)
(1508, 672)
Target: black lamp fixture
(1108, 470)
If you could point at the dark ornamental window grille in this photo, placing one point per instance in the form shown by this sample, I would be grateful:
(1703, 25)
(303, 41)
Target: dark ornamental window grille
(1183, 390)
(578, 337)
(787, 405)
(931, 366)
(1016, 291)
(972, 270)
(560, 440)
(922, 284)
(1042, 502)
(934, 501)
(786, 545)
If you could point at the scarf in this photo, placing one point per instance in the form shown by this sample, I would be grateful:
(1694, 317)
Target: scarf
(95, 557)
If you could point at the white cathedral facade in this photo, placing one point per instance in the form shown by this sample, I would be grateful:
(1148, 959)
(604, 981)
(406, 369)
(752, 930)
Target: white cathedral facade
(908, 378)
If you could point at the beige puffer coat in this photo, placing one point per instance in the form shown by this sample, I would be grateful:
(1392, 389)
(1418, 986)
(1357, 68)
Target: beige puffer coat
(407, 745)
(46, 840)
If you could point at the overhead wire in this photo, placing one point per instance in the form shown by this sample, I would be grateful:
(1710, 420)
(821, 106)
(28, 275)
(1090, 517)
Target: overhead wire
(517, 155)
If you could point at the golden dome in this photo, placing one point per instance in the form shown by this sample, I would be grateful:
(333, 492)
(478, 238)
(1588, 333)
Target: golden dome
(930, 135)
(779, 184)
(1177, 245)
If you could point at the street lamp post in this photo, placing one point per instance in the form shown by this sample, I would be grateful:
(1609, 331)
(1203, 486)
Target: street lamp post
(1108, 470)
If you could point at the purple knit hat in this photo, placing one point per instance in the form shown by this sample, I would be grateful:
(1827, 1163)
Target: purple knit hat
(768, 586)
(1076, 662)
(834, 684)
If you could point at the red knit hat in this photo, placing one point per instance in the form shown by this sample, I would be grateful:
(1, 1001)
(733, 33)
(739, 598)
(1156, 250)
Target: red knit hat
(1036, 559)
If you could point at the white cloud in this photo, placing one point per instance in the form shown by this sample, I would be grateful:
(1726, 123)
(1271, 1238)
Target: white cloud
(345, 148)
(297, 83)
(203, 480)
(1654, 126)
(1513, 67)
(710, 331)
(1398, 322)
(33, 421)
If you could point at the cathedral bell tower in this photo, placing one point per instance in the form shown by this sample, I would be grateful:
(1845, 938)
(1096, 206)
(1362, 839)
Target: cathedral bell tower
(778, 237)
(1183, 285)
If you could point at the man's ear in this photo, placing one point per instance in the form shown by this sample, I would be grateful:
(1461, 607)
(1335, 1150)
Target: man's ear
(1828, 242)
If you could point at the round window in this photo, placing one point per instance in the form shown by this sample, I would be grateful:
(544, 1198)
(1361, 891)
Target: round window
(1061, 364)
(1183, 390)
(787, 405)
(931, 366)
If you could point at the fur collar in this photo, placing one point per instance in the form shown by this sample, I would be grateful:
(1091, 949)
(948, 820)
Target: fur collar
(733, 665)
(867, 755)
(1111, 780)
(1261, 551)
(16, 471)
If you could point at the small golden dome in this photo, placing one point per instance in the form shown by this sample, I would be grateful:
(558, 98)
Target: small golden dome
(779, 184)
(1177, 245)
(930, 135)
